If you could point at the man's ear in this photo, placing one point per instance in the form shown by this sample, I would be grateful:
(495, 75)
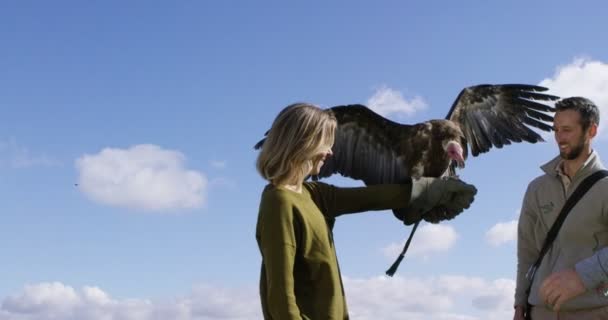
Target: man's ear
(592, 130)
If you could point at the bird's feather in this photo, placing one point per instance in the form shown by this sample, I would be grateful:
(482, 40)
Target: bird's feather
(490, 115)
(367, 147)
(374, 149)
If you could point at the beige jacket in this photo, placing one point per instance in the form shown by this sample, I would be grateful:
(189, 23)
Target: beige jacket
(579, 242)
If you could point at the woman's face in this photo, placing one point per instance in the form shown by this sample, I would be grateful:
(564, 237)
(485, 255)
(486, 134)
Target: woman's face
(319, 159)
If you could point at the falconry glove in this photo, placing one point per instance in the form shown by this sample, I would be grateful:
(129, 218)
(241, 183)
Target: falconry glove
(437, 199)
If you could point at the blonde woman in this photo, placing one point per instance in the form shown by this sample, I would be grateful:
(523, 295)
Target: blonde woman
(300, 277)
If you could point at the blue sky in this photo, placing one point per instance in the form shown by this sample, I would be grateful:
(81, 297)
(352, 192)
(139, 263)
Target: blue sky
(152, 109)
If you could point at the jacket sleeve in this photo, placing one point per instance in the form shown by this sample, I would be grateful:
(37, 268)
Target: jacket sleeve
(334, 201)
(527, 251)
(277, 239)
(594, 270)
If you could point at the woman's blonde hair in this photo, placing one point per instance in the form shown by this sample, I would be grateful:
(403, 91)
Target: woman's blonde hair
(300, 132)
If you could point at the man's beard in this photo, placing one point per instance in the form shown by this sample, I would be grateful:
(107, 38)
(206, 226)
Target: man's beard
(576, 151)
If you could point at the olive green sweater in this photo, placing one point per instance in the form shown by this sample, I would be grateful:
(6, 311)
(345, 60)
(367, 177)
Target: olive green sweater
(300, 276)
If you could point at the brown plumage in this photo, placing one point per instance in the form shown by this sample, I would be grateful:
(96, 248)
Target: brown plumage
(376, 150)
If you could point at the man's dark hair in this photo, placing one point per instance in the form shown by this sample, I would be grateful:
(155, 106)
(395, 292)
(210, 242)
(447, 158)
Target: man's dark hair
(585, 107)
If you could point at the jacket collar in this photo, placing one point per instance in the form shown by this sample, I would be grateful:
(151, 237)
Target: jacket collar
(592, 164)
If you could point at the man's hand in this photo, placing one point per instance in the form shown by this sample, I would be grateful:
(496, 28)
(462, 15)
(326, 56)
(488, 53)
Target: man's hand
(560, 287)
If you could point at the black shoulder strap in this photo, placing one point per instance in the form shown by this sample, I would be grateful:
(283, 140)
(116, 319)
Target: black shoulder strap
(570, 203)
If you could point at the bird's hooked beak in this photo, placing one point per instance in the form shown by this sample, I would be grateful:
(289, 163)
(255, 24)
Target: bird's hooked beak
(454, 151)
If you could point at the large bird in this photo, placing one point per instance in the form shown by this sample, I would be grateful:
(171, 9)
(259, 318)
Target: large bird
(376, 150)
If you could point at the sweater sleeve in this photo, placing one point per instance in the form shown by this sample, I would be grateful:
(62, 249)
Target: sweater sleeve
(277, 241)
(334, 201)
(527, 252)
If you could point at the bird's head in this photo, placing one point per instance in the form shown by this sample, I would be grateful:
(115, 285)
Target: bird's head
(454, 151)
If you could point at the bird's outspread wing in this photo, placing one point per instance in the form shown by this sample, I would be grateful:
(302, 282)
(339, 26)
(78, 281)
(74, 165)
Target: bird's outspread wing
(367, 147)
(496, 115)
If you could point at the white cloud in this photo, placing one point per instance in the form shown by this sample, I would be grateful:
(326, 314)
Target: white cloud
(55, 301)
(502, 232)
(393, 296)
(143, 177)
(430, 238)
(54, 298)
(14, 155)
(435, 298)
(387, 101)
(443, 297)
(583, 77)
